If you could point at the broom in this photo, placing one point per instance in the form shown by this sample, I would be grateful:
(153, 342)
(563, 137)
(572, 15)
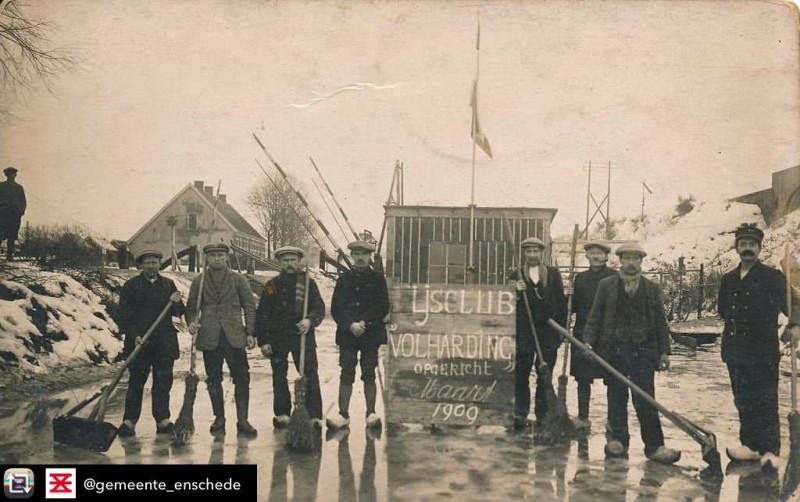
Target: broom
(545, 376)
(184, 426)
(557, 425)
(301, 430)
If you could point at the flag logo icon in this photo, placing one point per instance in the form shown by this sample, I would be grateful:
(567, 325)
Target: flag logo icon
(60, 484)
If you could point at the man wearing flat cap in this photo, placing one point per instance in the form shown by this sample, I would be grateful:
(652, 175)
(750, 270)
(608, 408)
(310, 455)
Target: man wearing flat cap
(221, 336)
(628, 328)
(141, 301)
(360, 303)
(280, 325)
(545, 294)
(585, 287)
(751, 296)
(12, 207)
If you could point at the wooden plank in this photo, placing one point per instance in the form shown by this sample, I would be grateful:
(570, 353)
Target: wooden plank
(451, 354)
(452, 299)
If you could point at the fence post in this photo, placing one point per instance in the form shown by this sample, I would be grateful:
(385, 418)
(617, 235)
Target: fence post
(701, 297)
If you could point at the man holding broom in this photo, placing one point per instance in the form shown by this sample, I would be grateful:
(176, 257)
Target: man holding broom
(582, 367)
(545, 294)
(628, 328)
(141, 301)
(220, 333)
(360, 302)
(280, 326)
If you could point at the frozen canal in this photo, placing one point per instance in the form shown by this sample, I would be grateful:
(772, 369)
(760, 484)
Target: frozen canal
(415, 464)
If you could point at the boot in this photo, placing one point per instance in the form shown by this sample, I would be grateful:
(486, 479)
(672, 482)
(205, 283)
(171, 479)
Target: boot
(218, 408)
(243, 427)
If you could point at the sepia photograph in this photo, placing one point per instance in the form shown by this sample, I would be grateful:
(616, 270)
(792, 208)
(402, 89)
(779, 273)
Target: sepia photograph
(214, 283)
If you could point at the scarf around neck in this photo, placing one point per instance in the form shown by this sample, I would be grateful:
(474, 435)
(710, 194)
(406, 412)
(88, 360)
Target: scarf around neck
(630, 282)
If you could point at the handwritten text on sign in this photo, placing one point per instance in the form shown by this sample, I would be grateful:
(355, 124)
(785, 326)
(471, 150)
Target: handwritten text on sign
(451, 354)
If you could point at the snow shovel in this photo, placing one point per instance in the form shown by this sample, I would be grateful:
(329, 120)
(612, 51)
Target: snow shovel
(557, 425)
(184, 425)
(301, 430)
(706, 439)
(93, 433)
(546, 376)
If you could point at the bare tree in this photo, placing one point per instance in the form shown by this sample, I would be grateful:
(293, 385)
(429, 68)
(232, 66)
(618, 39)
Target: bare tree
(276, 209)
(25, 55)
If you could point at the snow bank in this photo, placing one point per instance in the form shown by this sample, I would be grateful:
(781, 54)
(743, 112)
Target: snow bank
(48, 318)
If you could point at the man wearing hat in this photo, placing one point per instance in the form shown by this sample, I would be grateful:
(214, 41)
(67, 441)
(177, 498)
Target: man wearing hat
(12, 207)
(360, 303)
(221, 336)
(280, 325)
(585, 287)
(750, 298)
(141, 301)
(628, 328)
(544, 289)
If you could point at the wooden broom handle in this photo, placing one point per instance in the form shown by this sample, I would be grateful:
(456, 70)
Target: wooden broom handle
(303, 338)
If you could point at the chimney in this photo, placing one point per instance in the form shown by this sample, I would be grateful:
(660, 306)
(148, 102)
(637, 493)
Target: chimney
(198, 184)
(223, 198)
(210, 191)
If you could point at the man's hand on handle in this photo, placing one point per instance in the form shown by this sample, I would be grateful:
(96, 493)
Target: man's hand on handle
(266, 350)
(175, 297)
(303, 326)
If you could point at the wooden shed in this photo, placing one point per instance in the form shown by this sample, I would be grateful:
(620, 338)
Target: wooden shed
(430, 244)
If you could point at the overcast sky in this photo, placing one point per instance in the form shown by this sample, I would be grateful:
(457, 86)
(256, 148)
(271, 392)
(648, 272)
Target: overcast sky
(693, 97)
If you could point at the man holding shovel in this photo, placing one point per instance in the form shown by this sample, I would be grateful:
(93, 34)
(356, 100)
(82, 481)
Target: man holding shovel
(360, 302)
(628, 328)
(221, 336)
(750, 298)
(280, 325)
(545, 294)
(582, 367)
(141, 301)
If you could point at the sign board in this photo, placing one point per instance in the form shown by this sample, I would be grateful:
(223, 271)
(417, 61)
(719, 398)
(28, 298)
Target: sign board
(451, 354)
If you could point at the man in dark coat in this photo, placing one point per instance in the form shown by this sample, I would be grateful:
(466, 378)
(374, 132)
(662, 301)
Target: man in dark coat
(360, 303)
(280, 325)
(141, 301)
(628, 328)
(221, 336)
(544, 289)
(582, 367)
(12, 207)
(750, 298)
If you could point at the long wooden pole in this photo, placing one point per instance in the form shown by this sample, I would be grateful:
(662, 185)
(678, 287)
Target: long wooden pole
(792, 341)
(300, 197)
(333, 197)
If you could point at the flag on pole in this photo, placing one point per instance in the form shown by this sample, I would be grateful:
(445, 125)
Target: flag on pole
(647, 187)
(477, 135)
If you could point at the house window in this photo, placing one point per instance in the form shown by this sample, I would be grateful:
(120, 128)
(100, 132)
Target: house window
(447, 263)
(191, 221)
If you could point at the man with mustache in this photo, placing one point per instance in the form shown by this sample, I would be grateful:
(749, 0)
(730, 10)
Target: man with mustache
(140, 303)
(541, 286)
(582, 367)
(280, 325)
(628, 326)
(751, 296)
(222, 338)
(360, 302)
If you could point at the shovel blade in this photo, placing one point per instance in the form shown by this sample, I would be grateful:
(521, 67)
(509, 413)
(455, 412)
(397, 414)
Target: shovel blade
(83, 433)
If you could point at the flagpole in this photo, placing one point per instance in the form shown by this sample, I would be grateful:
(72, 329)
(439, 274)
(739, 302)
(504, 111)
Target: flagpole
(471, 268)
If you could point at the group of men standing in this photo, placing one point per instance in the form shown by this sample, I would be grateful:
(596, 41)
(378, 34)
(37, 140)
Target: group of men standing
(619, 316)
(225, 321)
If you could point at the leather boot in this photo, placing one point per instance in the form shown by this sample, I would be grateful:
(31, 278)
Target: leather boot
(243, 427)
(218, 408)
